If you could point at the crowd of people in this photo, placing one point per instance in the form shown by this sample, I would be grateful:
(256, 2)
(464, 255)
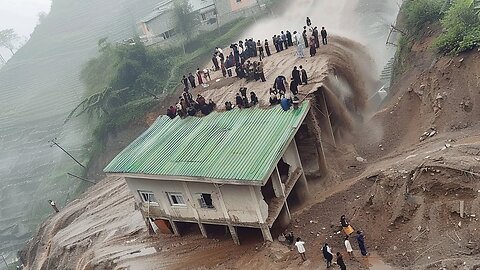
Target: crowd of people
(326, 250)
(238, 61)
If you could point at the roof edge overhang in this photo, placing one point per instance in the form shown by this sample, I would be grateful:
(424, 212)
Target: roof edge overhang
(274, 164)
(188, 179)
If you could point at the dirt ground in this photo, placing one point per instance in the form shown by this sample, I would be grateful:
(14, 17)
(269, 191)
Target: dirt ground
(403, 189)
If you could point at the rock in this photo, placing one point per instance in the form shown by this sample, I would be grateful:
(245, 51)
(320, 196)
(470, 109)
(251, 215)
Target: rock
(461, 60)
(459, 224)
(360, 159)
(419, 228)
(439, 96)
(394, 247)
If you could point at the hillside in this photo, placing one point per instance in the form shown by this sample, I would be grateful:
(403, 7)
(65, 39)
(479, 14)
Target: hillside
(39, 86)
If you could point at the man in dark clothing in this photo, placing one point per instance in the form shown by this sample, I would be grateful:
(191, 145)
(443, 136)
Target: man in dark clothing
(215, 62)
(191, 78)
(324, 36)
(361, 243)
(327, 254)
(309, 22)
(171, 112)
(239, 100)
(304, 75)
(296, 75)
(280, 85)
(294, 86)
(243, 91)
(267, 48)
(289, 38)
(253, 98)
(185, 83)
(228, 105)
(304, 34)
(280, 42)
(315, 35)
(275, 43)
(340, 261)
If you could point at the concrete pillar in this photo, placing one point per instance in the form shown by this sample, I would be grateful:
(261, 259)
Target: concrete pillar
(203, 230)
(233, 232)
(277, 184)
(174, 227)
(315, 130)
(267, 236)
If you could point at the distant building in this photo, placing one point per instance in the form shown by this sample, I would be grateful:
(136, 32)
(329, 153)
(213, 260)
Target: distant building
(159, 25)
(234, 169)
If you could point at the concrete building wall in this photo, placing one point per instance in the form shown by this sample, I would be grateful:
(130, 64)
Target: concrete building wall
(161, 24)
(239, 204)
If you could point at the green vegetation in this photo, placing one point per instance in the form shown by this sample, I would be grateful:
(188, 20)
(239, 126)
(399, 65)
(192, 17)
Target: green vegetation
(460, 21)
(461, 27)
(127, 80)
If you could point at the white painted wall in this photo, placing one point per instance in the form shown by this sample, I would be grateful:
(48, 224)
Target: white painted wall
(240, 206)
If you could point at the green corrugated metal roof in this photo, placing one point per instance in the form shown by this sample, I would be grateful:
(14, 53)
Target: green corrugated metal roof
(237, 145)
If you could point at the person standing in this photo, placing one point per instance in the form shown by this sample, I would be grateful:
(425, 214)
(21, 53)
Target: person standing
(284, 40)
(309, 22)
(340, 261)
(191, 78)
(324, 36)
(260, 71)
(185, 83)
(348, 247)
(260, 50)
(280, 85)
(301, 248)
(275, 43)
(304, 35)
(327, 254)
(280, 42)
(296, 75)
(299, 44)
(361, 243)
(199, 76)
(315, 35)
(304, 76)
(294, 87)
(313, 48)
(215, 62)
(54, 206)
(267, 47)
(289, 38)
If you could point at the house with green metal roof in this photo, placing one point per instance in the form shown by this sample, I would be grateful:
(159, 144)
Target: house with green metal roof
(235, 168)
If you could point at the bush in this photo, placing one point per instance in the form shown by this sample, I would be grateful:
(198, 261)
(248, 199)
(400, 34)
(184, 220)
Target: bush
(461, 29)
(419, 13)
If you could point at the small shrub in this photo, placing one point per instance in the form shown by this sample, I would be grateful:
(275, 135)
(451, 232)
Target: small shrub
(419, 13)
(461, 29)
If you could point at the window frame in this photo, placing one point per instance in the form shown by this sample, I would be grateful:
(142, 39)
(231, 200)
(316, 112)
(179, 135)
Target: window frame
(203, 204)
(150, 195)
(177, 194)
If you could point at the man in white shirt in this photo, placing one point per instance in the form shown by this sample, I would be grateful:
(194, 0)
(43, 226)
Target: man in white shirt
(301, 248)
(349, 248)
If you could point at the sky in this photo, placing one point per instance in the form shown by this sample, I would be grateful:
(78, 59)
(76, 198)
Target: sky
(22, 16)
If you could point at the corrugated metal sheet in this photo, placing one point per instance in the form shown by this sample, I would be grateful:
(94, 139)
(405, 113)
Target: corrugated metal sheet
(240, 145)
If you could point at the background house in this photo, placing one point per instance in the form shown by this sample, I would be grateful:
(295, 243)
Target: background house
(159, 25)
(235, 169)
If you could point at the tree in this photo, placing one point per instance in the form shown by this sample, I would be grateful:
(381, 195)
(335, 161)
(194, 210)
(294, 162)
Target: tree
(185, 20)
(100, 104)
(8, 38)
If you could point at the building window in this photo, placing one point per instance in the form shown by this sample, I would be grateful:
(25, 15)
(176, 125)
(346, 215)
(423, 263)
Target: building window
(147, 197)
(206, 200)
(168, 34)
(176, 199)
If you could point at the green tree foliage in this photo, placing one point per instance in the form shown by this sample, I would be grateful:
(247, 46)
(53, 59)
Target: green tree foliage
(185, 20)
(461, 29)
(8, 37)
